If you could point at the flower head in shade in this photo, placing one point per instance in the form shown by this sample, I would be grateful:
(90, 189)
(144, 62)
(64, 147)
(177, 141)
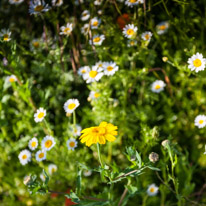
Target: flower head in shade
(11, 78)
(200, 121)
(93, 95)
(24, 156)
(38, 6)
(132, 3)
(130, 31)
(66, 30)
(39, 115)
(85, 29)
(70, 105)
(146, 36)
(95, 22)
(110, 68)
(153, 157)
(94, 74)
(158, 86)
(98, 2)
(131, 42)
(152, 190)
(71, 144)
(83, 70)
(33, 143)
(85, 15)
(57, 2)
(40, 155)
(15, 1)
(35, 44)
(196, 62)
(5, 34)
(52, 168)
(97, 39)
(162, 27)
(99, 134)
(48, 143)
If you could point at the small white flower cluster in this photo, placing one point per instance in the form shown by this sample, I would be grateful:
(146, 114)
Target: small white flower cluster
(200, 121)
(96, 72)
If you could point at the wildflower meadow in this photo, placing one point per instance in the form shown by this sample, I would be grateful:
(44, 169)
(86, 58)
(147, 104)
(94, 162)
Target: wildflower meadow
(103, 102)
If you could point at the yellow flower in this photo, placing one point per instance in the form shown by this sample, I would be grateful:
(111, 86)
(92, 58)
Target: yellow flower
(99, 134)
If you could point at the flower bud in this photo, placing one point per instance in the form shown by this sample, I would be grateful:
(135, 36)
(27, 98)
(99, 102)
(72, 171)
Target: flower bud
(153, 157)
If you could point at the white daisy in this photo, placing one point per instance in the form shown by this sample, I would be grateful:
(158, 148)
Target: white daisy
(52, 168)
(97, 39)
(85, 15)
(132, 3)
(11, 79)
(35, 44)
(39, 115)
(5, 34)
(48, 143)
(99, 65)
(85, 29)
(98, 2)
(38, 6)
(95, 22)
(110, 68)
(131, 43)
(40, 155)
(42, 177)
(152, 190)
(93, 95)
(94, 74)
(15, 1)
(200, 121)
(157, 86)
(83, 70)
(33, 143)
(24, 156)
(146, 36)
(130, 31)
(76, 131)
(57, 2)
(66, 30)
(162, 27)
(70, 105)
(71, 144)
(196, 62)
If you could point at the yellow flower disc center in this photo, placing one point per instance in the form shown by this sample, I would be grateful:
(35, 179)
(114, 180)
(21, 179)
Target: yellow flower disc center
(33, 144)
(110, 68)
(147, 36)
(83, 71)
(66, 30)
(38, 8)
(197, 63)
(162, 27)
(132, 1)
(24, 157)
(72, 144)
(157, 86)
(12, 79)
(71, 106)
(6, 37)
(36, 44)
(40, 115)
(99, 131)
(41, 155)
(93, 74)
(152, 190)
(96, 95)
(201, 121)
(96, 39)
(95, 23)
(48, 143)
(53, 170)
(130, 32)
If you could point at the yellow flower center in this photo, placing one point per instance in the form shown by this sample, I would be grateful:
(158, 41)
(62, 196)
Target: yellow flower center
(96, 95)
(48, 143)
(132, 1)
(40, 115)
(201, 121)
(71, 106)
(36, 44)
(12, 79)
(41, 155)
(38, 8)
(132, 43)
(99, 131)
(100, 65)
(130, 32)
(147, 36)
(197, 63)
(93, 74)
(53, 170)
(83, 71)
(110, 68)
(6, 37)
(96, 39)
(162, 27)
(33, 144)
(24, 157)
(66, 30)
(95, 23)
(157, 86)
(72, 144)
(152, 190)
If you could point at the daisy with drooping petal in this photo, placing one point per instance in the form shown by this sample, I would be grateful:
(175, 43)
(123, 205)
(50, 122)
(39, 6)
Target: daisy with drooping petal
(76, 130)
(66, 30)
(40, 155)
(83, 70)
(85, 29)
(97, 39)
(52, 168)
(15, 1)
(110, 68)
(85, 15)
(5, 34)
(95, 22)
(99, 134)
(196, 62)
(152, 190)
(71, 144)
(48, 143)
(33, 143)
(39, 115)
(146, 36)
(94, 74)
(70, 105)
(57, 2)
(162, 27)
(200, 121)
(130, 31)
(93, 95)
(158, 86)
(132, 3)
(38, 6)
(11, 79)
(24, 156)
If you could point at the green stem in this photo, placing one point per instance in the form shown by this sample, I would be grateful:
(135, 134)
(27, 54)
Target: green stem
(99, 155)
(48, 127)
(74, 119)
